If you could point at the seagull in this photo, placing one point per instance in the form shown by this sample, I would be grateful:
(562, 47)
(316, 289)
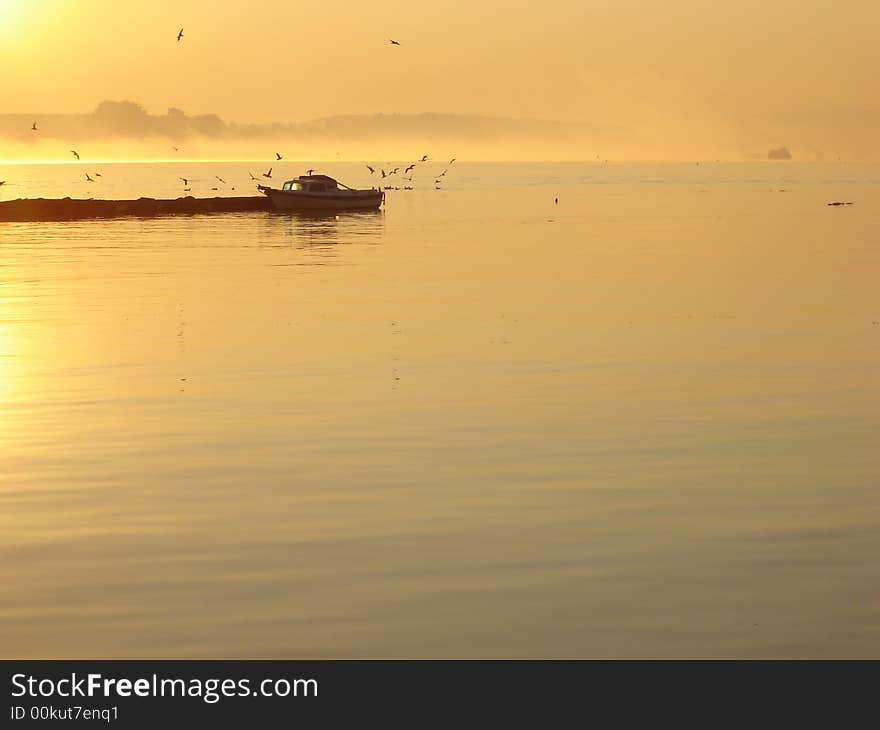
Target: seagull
(370, 169)
(278, 156)
(75, 153)
(2, 182)
(34, 127)
(268, 174)
(406, 170)
(184, 180)
(424, 158)
(444, 172)
(452, 160)
(176, 149)
(220, 179)
(383, 173)
(98, 174)
(252, 176)
(180, 35)
(393, 42)
(310, 171)
(88, 178)
(394, 171)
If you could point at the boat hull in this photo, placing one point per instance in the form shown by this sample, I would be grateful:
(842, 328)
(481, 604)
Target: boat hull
(343, 200)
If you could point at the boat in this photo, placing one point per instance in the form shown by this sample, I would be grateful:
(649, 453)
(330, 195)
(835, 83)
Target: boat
(321, 192)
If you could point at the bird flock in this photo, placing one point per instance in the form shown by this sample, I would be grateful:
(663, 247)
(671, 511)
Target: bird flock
(384, 175)
(405, 176)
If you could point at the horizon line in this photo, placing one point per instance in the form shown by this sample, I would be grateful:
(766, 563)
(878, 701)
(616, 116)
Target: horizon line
(609, 161)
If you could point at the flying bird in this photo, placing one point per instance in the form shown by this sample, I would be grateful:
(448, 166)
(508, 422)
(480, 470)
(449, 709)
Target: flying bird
(452, 160)
(75, 153)
(34, 127)
(424, 158)
(393, 42)
(88, 178)
(180, 35)
(183, 180)
(310, 171)
(252, 176)
(394, 171)
(383, 173)
(220, 179)
(268, 174)
(444, 172)
(370, 169)
(2, 182)
(407, 169)
(98, 174)
(278, 156)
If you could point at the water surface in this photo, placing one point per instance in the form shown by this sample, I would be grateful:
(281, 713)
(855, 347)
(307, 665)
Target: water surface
(641, 422)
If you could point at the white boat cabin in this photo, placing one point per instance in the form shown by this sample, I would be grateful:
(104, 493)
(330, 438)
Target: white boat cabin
(311, 184)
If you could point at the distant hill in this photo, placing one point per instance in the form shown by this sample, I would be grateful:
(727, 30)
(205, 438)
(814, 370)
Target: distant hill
(433, 125)
(780, 153)
(125, 119)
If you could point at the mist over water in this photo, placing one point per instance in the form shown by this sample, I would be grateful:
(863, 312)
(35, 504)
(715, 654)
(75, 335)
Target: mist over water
(640, 422)
(125, 131)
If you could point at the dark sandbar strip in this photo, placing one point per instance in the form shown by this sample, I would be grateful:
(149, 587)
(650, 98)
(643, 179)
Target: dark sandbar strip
(45, 209)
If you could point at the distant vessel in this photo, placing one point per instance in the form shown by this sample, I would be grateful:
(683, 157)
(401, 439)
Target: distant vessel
(320, 192)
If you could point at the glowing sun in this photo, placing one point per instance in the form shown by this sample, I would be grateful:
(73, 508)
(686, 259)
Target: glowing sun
(11, 14)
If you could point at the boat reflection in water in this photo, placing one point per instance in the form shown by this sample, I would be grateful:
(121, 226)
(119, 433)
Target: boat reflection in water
(322, 233)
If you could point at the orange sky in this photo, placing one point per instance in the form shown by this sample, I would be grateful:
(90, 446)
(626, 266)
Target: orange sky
(687, 76)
